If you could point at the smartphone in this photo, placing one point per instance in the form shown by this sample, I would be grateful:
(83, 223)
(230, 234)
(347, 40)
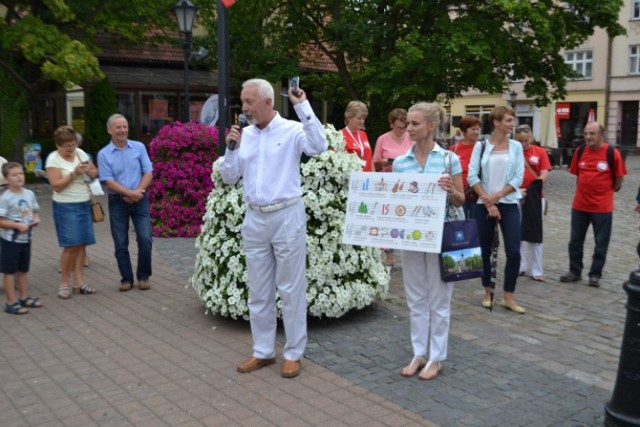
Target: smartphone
(294, 84)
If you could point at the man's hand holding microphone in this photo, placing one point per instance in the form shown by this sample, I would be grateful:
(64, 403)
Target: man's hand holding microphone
(234, 135)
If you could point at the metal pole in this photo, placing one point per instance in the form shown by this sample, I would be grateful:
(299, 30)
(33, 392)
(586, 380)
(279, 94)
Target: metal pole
(187, 51)
(223, 75)
(623, 410)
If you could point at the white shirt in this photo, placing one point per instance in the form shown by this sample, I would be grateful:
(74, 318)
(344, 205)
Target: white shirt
(498, 163)
(77, 190)
(268, 159)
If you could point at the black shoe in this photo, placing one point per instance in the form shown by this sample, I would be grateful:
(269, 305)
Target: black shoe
(570, 277)
(594, 282)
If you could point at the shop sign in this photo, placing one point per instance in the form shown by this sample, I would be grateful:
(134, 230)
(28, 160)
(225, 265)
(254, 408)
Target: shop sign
(563, 111)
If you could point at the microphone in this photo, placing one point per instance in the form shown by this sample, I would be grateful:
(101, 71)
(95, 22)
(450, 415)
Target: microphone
(242, 123)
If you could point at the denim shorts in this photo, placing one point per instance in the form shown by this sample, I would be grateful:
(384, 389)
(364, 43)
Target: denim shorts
(74, 226)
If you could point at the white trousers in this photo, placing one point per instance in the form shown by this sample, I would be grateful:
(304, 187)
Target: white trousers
(429, 301)
(275, 244)
(531, 255)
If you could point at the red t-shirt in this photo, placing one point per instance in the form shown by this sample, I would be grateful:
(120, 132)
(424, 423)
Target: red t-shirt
(359, 144)
(539, 161)
(594, 186)
(464, 153)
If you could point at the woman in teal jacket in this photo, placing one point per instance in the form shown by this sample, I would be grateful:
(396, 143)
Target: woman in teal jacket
(496, 170)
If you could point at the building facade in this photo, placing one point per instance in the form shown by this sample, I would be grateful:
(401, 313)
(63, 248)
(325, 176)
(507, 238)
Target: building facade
(624, 89)
(608, 91)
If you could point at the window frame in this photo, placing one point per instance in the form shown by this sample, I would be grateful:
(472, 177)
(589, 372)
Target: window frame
(580, 65)
(634, 59)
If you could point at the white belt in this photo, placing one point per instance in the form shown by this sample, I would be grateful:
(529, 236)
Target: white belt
(275, 206)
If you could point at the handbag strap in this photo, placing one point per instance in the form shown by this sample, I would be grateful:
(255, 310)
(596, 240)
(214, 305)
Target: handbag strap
(447, 162)
(484, 145)
(91, 196)
(528, 166)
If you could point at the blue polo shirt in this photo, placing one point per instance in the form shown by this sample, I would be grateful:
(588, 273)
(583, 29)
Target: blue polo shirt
(124, 165)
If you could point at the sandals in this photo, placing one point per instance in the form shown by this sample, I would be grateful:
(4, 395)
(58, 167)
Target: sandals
(431, 371)
(413, 367)
(15, 308)
(64, 292)
(30, 302)
(85, 290)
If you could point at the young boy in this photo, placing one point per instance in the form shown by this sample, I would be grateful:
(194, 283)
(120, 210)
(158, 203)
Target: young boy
(18, 215)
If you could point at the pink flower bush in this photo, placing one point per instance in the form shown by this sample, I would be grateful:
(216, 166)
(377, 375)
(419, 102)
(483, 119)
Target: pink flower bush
(182, 156)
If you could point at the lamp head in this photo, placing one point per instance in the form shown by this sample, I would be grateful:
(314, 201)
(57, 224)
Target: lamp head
(186, 13)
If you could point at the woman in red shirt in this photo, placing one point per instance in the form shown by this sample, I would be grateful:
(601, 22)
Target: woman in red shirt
(356, 140)
(470, 127)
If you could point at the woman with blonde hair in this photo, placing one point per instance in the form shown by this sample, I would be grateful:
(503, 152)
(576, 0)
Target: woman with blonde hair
(428, 297)
(356, 140)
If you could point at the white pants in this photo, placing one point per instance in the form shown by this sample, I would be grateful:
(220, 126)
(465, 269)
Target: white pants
(275, 244)
(531, 255)
(429, 301)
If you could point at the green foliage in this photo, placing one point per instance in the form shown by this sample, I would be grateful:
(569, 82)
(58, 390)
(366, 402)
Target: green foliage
(448, 262)
(100, 103)
(59, 56)
(394, 53)
(54, 40)
(13, 104)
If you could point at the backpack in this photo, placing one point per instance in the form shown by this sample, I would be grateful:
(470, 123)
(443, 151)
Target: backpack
(610, 154)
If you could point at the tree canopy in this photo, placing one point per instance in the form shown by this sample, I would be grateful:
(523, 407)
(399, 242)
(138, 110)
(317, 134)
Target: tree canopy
(54, 40)
(392, 53)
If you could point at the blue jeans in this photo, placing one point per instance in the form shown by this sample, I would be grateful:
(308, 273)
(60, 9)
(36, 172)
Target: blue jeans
(580, 221)
(510, 227)
(119, 214)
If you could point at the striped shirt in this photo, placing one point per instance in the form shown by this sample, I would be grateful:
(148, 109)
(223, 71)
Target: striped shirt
(435, 162)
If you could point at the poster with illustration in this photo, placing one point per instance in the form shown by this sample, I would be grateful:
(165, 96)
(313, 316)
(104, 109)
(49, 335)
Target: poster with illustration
(395, 210)
(209, 111)
(32, 158)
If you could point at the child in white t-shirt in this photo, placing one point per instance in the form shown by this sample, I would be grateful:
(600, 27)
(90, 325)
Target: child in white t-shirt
(18, 215)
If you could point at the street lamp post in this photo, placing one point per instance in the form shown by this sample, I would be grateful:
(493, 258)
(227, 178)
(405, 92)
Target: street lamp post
(512, 99)
(513, 95)
(186, 13)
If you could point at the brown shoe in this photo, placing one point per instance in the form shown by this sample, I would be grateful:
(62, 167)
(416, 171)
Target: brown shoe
(144, 285)
(125, 286)
(253, 363)
(291, 368)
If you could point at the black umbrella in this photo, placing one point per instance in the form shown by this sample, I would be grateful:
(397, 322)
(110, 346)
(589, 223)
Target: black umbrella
(494, 263)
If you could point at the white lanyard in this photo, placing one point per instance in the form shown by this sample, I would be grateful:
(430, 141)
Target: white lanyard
(358, 141)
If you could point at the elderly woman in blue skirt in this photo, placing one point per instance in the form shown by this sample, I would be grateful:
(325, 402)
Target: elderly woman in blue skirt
(67, 169)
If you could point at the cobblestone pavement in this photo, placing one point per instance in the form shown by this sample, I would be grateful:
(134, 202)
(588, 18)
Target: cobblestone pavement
(152, 358)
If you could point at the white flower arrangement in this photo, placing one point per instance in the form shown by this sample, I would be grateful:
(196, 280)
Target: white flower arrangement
(340, 277)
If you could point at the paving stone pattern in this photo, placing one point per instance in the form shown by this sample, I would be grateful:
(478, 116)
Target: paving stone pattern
(153, 358)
